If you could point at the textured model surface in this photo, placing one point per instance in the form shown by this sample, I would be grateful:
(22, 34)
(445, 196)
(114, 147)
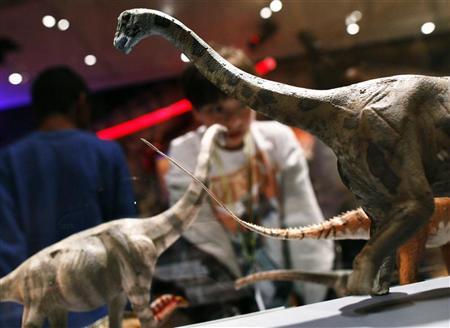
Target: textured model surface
(391, 136)
(107, 264)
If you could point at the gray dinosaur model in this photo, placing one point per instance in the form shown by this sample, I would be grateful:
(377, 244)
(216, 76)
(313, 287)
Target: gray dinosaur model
(107, 264)
(391, 136)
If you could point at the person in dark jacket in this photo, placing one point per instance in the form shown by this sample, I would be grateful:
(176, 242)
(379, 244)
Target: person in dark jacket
(57, 181)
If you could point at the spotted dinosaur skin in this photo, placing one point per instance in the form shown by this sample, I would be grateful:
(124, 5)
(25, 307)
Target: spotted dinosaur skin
(391, 136)
(107, 264)
(355, 224)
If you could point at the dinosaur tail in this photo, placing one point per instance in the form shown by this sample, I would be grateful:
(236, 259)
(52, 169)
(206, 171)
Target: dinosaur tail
(178, 218)
(333, 279)
(350, 225)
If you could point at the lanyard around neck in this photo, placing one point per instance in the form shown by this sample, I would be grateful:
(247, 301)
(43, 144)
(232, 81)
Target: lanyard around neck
(249, 153)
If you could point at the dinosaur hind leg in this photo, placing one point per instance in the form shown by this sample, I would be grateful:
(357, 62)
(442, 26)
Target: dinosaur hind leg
(139, 296)
(409, 257)
(446, 256)
(402, 222)
(383, 278)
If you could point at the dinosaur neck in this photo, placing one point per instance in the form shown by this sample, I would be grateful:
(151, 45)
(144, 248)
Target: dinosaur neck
(319, 112)
(168, 226)
(179, 217)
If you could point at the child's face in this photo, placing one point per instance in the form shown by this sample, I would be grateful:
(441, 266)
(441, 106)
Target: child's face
(230, 113)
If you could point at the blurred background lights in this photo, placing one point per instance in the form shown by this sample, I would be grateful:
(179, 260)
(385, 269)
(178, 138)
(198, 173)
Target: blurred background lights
(355, 16)
(352, 29)
(90, 60)
(63, 24)
(184, 58)
(15, 78)
(168, 9)
(276, 5)
(48, 21)
(427, 28)
(265, 13)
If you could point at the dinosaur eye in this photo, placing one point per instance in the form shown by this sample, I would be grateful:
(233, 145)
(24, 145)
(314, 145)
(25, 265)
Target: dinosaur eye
(126, 17)
(132, 30)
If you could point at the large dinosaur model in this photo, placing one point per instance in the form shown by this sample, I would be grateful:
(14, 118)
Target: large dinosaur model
(355, 224)
(107, 264)
(391, 136)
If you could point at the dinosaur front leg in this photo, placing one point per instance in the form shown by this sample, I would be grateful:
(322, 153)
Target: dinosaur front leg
(115, 311)
(139, 296)
(404, 219)
(32, 317)
(58, 318)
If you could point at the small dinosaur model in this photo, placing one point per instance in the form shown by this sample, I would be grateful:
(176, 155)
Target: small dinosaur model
(355, 224)
(107, 264)
(391, 136)
(165, 305)
(162, 308)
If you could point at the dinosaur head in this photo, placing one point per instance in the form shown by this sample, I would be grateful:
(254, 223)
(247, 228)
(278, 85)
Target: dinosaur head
(132, 26)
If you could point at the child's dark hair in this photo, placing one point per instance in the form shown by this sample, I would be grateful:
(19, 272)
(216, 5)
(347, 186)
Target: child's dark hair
(199, 91)
(55, 90)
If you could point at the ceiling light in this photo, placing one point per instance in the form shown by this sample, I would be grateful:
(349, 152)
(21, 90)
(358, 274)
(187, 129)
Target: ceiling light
(184, 58)
(357, 15)
(276, 5)
(15, 78)
(353, 29)
(48, 21)
(354, 17)
(427, 28)
(265, 13)
(63, 24)
(90, 60)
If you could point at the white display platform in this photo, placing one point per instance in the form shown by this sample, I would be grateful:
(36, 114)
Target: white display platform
(423, 304)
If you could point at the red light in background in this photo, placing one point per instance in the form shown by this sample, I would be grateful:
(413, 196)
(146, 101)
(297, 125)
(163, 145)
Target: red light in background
(145, 121)
(254, 40)
(265, 66)
(163, 114)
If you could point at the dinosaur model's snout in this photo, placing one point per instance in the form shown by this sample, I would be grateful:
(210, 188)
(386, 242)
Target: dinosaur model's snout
(121, 42)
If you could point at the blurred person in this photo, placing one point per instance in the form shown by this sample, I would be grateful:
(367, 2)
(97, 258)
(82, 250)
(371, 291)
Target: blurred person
(57, 181)
(261, 174)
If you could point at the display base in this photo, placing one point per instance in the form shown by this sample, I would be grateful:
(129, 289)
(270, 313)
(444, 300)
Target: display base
(423, 304)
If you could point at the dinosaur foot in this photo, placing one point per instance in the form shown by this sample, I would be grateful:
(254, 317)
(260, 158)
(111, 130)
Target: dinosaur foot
(380, 288)
(360, 282)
